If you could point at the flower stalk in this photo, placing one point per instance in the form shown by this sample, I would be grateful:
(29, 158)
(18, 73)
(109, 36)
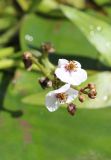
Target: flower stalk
(41, 67)
(64, 79)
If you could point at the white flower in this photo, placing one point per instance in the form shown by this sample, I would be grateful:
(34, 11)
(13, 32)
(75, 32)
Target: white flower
(70, 72)
(63, 95)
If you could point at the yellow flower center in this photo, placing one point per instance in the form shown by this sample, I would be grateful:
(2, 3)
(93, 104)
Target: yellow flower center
(62, 97)
(71, 66)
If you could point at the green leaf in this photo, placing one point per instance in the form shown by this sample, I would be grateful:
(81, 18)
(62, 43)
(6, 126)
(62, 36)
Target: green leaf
(67, 39)
(47, 5)
(28, 132)
(5, 37)
(103, 99)
(6, 22)
(7, 63)
(4, 52)
(35, 99)
(24, 4)
(96, 31)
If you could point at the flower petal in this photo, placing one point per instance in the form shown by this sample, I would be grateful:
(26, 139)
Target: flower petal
(76, 78)
(62, 89)
(78, 64)
(52, 103)
(62, 62)
(62, 74)
(72, 94)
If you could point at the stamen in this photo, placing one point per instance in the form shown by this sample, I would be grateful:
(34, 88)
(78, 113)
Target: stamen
(62, 97)
(71, 66)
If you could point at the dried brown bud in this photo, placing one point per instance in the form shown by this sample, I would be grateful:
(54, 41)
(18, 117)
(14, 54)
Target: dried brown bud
(27, 60)
(47, 47)
(45, 82)
(91, 86)
(71, 108)
(81, 98)
(81, 91)
(92, 94)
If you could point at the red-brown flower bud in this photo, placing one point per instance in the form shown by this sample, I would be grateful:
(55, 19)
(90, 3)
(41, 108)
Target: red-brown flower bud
(27, 60)
(92, 94)
(71, 108)
(47, 47)
(45, 82)
(91, 86)
(81, 98)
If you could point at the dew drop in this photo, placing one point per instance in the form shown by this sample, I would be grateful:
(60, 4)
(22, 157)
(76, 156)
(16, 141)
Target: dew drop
(28, 37)
(108, 44)
(105, 98)
(99, 28)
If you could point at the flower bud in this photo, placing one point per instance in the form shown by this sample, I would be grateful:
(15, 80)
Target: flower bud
(45, 82)
(91, 86)
(47, 47)
(81, 98)
(92, 94)
(27, 60)
(71, 108)
(81, 91)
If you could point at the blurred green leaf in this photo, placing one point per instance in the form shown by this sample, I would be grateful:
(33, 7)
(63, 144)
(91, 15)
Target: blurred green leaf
(6, 37)
(102, 81)
(7, 63)
(36, 99)
(95, 30)
(81, 4)
(4, 52)
(67, 39)
(103, 99)
(47, 5)
(6, 22)
(24, 4)
(30, 133)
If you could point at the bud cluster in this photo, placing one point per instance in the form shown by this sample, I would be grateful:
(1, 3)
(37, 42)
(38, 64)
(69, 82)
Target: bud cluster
(89, 90)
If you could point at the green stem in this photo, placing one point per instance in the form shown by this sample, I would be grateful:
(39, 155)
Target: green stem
(45, 61)
(42, 69)
(75, 87)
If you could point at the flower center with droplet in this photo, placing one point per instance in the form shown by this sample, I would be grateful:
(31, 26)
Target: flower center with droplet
(71, 66)
(62, 97)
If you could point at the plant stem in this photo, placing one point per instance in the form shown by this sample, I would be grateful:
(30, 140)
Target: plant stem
(42, 69)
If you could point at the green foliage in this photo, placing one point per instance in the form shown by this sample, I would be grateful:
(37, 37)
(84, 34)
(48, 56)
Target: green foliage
(38, 134)
(28, 130)
(96, 31)
(102, 100)
(67, 39)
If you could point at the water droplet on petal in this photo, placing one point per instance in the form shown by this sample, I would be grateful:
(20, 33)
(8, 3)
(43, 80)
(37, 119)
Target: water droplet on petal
(28, 37)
